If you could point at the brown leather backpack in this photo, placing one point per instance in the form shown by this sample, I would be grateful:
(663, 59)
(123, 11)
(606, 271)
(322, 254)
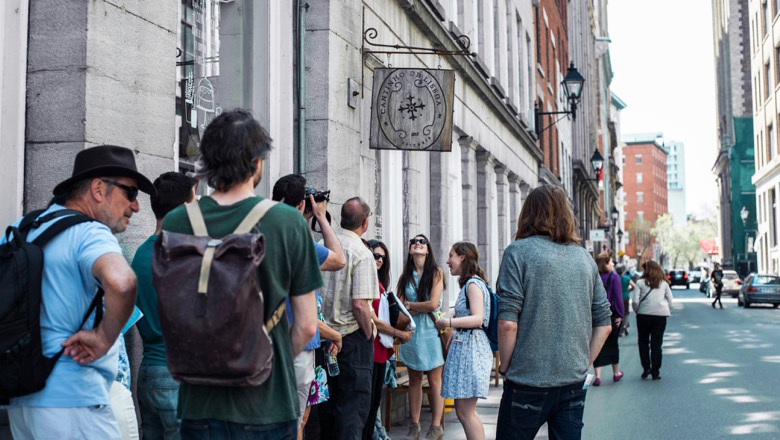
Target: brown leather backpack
(210, 303)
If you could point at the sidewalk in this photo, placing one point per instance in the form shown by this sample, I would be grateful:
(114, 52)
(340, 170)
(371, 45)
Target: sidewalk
(486, 408)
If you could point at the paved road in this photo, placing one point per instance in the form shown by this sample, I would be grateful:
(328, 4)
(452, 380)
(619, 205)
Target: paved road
(720, 378)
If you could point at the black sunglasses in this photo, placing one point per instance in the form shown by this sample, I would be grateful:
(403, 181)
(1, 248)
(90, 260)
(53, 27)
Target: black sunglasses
(378, 257)
(415, 241)
(131, 192)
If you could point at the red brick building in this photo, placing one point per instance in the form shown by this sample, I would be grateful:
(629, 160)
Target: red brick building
(644, 183)
(552, 57)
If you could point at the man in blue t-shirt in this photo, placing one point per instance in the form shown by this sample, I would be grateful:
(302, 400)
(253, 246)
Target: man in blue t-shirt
(158, 392)
(291, 190)
(75, 402)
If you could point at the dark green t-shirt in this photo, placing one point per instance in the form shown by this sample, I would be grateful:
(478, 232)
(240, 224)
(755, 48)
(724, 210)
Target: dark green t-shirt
(625, 282)
(289, 268)
(146, 300)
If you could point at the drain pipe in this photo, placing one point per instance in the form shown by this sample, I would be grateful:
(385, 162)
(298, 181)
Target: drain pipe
(303, 8)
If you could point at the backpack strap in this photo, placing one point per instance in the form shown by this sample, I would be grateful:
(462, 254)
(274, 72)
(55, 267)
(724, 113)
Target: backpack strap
(276, 317)
(255, 215)
(196, 219)
(55, 229)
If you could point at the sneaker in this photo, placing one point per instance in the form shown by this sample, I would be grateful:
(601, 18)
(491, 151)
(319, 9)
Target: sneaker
(656, 376)
(597, 382)
(435, 433)
(617, 377)
(414, 432)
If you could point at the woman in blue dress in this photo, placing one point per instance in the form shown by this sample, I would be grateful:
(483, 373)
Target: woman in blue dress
(467, 373)
(420, 286)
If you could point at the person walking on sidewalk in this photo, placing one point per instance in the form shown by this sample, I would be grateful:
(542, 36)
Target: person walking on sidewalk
(627, 286)
(158, 392)
(383, 343)
(652, 303)
(717, 282)
(553, 320)
(346, 302)
(467, 371)
(421, 285)
(610, 352)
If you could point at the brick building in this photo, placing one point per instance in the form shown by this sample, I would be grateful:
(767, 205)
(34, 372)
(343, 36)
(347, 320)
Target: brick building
(552, 55)
(645, 187)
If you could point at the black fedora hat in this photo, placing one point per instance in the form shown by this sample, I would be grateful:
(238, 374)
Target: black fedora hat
(105, 161)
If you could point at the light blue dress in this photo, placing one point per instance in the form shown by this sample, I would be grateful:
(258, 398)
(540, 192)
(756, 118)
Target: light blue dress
(467, 373)
(423, 351)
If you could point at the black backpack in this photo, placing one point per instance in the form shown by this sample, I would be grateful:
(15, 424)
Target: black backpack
(23, 367)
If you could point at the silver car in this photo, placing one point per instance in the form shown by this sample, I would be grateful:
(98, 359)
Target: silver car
(731, 284)
(759, 288)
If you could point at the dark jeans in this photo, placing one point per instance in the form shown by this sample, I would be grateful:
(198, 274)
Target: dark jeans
(524, 409)
(343, 416)
(158, 398)
(718, 292)
(626, 311)
(650, 331)
(211, 429)
(377, 384)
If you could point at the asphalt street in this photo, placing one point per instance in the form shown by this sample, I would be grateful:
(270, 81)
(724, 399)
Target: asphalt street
(720, 378)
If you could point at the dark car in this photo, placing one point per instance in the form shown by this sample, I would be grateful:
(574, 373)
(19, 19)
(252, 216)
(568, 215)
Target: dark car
(679, 277)
(759, 288)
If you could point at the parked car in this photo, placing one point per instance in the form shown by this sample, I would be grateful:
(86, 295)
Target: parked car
(731, 284)
(678, 277)
(696, 274)
(759, 288)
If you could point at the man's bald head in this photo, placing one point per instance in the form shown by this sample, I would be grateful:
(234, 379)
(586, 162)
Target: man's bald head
(354, 213)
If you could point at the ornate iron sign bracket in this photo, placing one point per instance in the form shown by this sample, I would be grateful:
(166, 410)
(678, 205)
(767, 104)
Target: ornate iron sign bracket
(371, 33)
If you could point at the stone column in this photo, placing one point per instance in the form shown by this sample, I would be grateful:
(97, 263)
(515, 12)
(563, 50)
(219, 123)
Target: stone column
(502, 207)
(514, 204)
(469, 184)
(100, 73)
(485, 163)
(439, 205)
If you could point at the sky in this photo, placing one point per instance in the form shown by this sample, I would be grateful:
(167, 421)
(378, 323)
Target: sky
(664, 69)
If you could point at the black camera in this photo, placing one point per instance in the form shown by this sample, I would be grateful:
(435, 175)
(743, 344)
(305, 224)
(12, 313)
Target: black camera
(319, 196)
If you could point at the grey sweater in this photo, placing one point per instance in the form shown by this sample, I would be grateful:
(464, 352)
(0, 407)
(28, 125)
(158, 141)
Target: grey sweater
(554, 293)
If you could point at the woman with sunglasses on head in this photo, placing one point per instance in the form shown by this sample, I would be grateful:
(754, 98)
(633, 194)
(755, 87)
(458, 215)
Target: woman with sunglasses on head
(382, 353)
(467, 372)
(420, 288)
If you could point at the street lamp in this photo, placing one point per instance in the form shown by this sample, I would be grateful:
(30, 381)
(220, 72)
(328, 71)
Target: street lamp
(597, 161)
(615, 215)
(620, 236)
(744, 213)
(572, 84)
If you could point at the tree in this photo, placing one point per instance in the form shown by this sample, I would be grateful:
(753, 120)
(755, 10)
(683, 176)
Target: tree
(641, 238)
(681, 242)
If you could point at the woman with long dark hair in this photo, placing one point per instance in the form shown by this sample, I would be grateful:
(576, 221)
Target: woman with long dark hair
(420, 288)
(382, 353)
(467, 371)
(652, 304)
(610, 352)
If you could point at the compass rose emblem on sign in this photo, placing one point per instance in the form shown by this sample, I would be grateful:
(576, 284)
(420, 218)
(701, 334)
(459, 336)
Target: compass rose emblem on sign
(412, 109)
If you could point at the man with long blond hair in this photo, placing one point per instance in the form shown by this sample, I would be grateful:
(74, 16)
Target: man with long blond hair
(549, 287)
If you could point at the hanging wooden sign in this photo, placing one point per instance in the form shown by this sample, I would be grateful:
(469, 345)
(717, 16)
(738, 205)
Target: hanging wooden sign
(411, 109)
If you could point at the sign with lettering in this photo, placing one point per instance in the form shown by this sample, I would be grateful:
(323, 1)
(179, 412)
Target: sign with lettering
(411, 109)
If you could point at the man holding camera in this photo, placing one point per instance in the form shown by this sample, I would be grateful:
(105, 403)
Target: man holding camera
(292, 190)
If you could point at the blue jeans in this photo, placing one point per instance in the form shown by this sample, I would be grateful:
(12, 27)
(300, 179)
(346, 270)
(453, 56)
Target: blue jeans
(524, 409)
(220, 430)
(158, 399)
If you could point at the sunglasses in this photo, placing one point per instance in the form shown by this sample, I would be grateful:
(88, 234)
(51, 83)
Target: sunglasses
(378, 257)
(415, 241)
(131, 192)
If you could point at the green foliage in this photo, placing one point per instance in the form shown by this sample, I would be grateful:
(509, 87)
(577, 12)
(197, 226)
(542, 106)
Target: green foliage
(681, 243)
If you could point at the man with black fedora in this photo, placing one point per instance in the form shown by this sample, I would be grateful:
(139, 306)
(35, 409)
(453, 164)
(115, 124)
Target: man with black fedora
(81, 263)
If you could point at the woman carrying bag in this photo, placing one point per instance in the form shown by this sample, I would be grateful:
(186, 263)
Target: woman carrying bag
(652, 303)
(610, 353)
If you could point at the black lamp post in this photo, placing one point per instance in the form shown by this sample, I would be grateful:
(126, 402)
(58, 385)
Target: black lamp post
(572, 84)
(620, 236)
(615, 215)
